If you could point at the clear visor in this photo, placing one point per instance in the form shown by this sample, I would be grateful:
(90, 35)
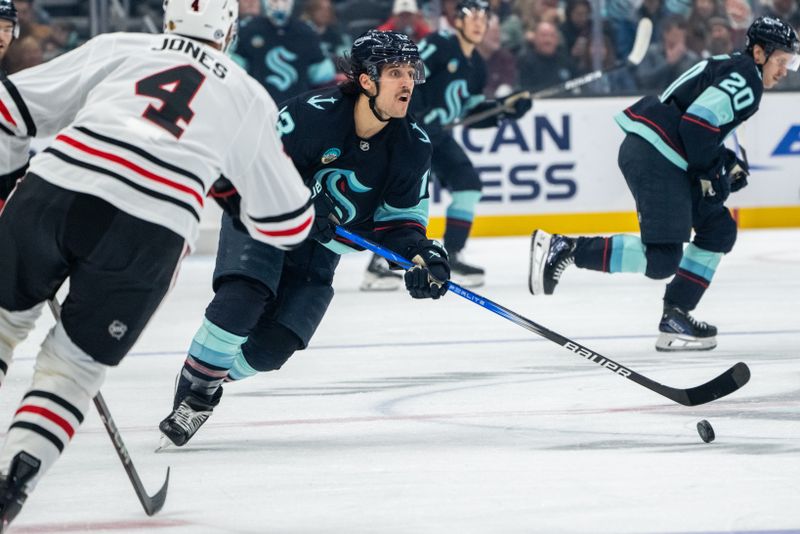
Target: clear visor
(794, 63)
(401, 68)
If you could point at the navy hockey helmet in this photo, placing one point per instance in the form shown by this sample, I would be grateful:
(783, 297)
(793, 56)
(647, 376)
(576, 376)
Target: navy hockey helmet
(375, 48)
(465, 6)
(771, 33)
(8, 11)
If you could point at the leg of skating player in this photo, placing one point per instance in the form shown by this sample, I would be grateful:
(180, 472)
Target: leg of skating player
(14, 328)
(64, 381)
(460, 214)
(237, 305)
(379, 277)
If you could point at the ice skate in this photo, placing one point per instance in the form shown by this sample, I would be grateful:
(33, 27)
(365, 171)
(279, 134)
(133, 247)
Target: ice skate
(13, 486)
(379, 277)
(550, 255)
(681, 332)
(464, 274)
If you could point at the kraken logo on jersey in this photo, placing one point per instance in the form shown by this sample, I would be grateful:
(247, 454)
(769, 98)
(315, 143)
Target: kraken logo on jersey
(330, 179)
(454, 97)
(278, 60)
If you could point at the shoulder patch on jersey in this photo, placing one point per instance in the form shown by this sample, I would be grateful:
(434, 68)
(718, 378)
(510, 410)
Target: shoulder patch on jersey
(316, 100)
(452, 65)
(257, 41)
(330, 155)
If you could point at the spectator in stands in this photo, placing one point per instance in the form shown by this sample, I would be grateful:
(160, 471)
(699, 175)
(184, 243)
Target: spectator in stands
(358, 16)
(622, 19)
(249, 9)
(787, 10)
(320, 15)
(406, 19)
(63, 38)
(543, 63)
(577, 28)
(618, 81)
(740, 15)
(667, 59)
(501, 65)
(28, 21)
(23, 53)
(720, 39)
(656, 12)
(698, 30)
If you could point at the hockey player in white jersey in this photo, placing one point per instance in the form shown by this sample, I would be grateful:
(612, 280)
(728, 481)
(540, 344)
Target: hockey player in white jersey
(143, 126)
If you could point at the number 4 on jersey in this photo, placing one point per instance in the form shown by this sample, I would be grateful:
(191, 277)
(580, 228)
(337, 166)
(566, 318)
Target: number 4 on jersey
(176, 88)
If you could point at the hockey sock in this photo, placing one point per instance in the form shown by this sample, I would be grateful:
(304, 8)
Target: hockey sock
(64, 381)
(211, 356)
(14, 328)
(619, 253)
(460, 214)
(694, 275)
(240, 370)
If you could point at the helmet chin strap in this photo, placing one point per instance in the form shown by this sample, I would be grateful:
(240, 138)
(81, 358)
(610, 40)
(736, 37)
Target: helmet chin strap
(371, 100)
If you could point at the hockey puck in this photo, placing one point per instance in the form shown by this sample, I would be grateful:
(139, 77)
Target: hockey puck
(706, 431)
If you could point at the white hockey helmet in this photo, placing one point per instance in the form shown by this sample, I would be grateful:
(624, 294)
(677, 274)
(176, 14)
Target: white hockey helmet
(209, 20)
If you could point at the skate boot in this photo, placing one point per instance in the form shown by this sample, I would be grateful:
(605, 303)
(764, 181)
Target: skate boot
(464, 274)
(379, 277)
(680, 331)
(190, 410)
(550, 255)
(12, 486)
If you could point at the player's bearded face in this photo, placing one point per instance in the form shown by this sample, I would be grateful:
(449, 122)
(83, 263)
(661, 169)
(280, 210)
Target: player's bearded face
(396, 88)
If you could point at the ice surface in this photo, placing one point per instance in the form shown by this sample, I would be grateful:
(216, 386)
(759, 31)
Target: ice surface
(419, 416)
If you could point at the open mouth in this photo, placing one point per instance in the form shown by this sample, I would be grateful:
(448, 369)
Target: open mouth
(404, 98)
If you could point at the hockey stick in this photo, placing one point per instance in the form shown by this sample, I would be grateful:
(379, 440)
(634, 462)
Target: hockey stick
(150, 504)
(724, 384)
(640, 45)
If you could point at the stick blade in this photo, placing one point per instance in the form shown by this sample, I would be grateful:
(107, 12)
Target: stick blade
(725, 384)
(152, 505)
(644, 31)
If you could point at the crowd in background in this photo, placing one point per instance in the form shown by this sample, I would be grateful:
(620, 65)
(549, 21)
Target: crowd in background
(531, 44)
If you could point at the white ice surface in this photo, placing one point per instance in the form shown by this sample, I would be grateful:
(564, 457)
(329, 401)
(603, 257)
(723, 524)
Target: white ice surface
(417, 416)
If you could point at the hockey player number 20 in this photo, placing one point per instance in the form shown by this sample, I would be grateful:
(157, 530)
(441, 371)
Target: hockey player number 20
(175, 88)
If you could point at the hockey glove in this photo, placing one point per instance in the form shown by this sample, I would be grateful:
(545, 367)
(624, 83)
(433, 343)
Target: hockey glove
(716, 183)
(428, 278)
(738, 170)
(226, 196)
(325, 219)
(517, 104)
(9, 181)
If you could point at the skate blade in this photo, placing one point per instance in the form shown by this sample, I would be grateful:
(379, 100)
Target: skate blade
(468, 280)
(540, 245)
(667, 342)
(373, 282)
(164, 443)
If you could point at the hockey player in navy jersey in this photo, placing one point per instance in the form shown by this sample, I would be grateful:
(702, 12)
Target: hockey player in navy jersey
(456, 76)
(367, 163)
(680, 175)
(283, 53)
(143, 125)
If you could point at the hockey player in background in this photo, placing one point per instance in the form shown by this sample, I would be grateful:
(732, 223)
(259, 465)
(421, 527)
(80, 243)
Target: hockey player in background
(283, 53)
(367, 163)
(456, 75)
(680, 175)
(9, 26)
(143, 125)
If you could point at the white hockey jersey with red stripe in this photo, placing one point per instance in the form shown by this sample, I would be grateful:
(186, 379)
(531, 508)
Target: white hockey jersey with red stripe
(148, 123)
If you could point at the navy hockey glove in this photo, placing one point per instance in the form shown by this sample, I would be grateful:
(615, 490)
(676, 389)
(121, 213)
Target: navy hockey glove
(428, 278)
(9, 181)
(517, 104)
(325, 219)
(225, 194)
(737, 169)
(716, 183)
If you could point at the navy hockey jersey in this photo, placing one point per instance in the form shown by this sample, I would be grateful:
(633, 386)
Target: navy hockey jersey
(380, 185)
(286, 60)
(453, 82)
(690, 120)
